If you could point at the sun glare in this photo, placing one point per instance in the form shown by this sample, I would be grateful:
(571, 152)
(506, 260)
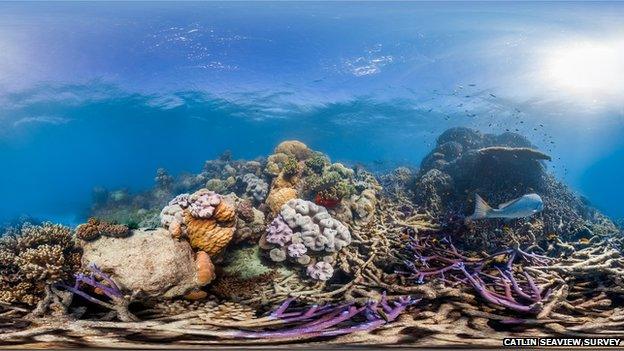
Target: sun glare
(587, 67)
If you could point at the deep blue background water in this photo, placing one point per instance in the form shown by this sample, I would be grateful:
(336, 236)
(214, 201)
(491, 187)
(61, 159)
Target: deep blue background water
(104, 93)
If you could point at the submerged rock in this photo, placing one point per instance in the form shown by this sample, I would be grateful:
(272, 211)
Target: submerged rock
(150, 262)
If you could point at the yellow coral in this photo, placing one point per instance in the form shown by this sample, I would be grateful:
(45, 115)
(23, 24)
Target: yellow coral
(294, 148)
(278, 197)
(211, 235)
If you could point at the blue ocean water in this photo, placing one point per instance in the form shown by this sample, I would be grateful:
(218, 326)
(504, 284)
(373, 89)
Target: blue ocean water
(104, 93)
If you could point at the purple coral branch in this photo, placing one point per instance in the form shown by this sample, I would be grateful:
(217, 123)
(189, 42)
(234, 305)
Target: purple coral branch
(329, 320)
(110, 289)
(494, 282)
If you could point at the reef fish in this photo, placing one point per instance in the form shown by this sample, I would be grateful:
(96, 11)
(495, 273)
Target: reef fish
(523, 206)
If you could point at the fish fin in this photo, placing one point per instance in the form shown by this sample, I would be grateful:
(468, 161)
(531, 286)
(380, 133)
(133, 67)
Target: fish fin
(481, 208)
(505, 204)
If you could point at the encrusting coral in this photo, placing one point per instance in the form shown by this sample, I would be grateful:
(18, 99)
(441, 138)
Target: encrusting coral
(33, 258)
(94, 228)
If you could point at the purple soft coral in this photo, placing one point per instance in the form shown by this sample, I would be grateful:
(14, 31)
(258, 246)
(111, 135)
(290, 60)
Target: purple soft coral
(103, 284)
(492, 280)
(328, 320)
(279, 232)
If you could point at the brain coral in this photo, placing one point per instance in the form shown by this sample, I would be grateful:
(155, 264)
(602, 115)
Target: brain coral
(294, 148)
(278, 197)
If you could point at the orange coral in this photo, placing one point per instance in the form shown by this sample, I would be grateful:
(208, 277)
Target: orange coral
(224, 212)
(205, 268)
(211, 235)
(278, 197)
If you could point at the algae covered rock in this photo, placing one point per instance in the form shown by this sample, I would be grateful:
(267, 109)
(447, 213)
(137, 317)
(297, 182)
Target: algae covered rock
(150, 262)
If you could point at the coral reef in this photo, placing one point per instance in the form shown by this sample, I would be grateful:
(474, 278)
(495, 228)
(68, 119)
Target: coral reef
(347, 250)
(150, 264)
(304, 232)
(499, 168)
(33, 258)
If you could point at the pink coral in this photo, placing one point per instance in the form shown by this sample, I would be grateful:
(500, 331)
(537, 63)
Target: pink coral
(203, 204)
(279, 232)
(320, 271)
(296, 250)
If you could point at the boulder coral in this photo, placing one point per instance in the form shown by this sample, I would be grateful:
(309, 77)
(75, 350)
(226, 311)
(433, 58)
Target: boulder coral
(278, 197)
(306, 233)
(205, 218)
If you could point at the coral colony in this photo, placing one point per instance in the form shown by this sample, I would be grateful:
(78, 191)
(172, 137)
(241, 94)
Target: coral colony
(293, 247)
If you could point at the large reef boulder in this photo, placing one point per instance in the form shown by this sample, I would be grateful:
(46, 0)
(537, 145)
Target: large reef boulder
(499, 168)
(149, 262)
